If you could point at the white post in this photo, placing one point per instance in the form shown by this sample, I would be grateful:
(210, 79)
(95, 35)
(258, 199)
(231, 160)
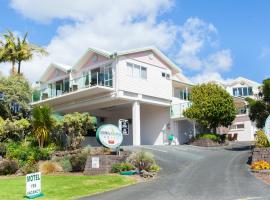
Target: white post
(136, 123)
(194, 129)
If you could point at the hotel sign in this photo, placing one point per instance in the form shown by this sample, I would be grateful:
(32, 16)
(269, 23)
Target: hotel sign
(267, 128)
(109, 136)
(33, 185)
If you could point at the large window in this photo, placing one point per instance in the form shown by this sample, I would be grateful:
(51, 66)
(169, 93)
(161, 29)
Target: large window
(237, 126)
(181, 93)
(242, 91)
(136, 71)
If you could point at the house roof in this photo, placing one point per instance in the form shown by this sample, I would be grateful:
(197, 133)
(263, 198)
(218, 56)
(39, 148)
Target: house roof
(59, 66)
(108, 54)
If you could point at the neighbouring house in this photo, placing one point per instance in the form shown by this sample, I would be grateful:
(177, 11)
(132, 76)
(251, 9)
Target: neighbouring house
(141, 85)
(242, 128)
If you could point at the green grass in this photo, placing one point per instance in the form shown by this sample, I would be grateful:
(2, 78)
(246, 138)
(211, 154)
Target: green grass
(58, 187)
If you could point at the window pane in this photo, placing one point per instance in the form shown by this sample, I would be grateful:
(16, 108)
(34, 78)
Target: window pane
(163, 74)
(143, 73)
(240, 92)
(177, 92)
(129, 69)
(235, 92)
(136, 71)
(239, 126)
(250, 92)
(245, 91)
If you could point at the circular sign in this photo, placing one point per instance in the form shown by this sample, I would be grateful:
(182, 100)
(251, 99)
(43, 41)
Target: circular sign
(267, 128)
(109, 136)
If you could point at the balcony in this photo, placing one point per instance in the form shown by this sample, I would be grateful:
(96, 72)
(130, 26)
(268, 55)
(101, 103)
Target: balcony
(85, 85)
(178, 109)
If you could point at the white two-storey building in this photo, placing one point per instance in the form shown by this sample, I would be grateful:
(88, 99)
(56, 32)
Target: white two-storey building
(242, 128)
(140, 85)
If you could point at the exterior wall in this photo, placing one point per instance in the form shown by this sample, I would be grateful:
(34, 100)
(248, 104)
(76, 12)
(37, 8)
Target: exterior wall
(154, 122)
(155, 85)
(246, 134)
(185, 131)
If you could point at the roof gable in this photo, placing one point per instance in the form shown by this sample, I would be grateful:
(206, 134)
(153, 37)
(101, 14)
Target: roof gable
(53, 71)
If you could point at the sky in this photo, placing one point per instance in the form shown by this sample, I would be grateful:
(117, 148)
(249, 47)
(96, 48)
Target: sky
(207, 39)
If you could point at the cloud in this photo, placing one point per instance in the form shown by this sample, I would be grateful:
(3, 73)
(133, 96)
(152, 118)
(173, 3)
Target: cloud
(265, 52)
(121, 25)
(109, 25)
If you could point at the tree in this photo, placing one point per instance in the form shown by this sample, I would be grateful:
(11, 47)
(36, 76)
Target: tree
(259, 109)
(212, 106)
(42, 123)
(16, 50)
(17, 92)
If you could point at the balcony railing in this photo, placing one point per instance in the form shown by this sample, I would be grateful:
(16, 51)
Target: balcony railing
(67, 86)
(178, 109)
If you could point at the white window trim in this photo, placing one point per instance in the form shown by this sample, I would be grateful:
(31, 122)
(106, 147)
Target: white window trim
(140, 72)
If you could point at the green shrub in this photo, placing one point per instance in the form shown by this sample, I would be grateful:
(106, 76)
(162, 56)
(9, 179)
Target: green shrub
(154, 168)
(64, 162)
(3, 149)
(78, 162)
(49, 167)
(8, 167)
(25, 153)
(261, 139)
(120, 167)
(211, 136)
(29, 167)
(141, 160)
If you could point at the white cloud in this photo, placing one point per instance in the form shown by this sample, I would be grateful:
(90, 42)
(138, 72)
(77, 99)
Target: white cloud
(120, 25)
(109, 25)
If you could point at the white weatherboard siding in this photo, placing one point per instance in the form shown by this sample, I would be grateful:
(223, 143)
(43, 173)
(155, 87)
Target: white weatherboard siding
(155, 85)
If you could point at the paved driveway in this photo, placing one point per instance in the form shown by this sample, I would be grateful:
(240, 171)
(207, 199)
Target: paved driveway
(194, 173)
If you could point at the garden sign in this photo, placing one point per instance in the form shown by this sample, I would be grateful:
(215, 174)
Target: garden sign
(33, 185)
(109, 136)
(267, 128)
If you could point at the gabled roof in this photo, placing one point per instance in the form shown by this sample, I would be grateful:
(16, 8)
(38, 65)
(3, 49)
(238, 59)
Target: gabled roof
(182, 79)
(155, 50)
(64, 68)
(108, 54)
(242, 79)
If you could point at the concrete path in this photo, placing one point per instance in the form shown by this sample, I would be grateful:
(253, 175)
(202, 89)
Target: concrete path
(194, 173)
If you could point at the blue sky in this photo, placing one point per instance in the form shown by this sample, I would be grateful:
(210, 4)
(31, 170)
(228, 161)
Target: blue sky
(209, 39)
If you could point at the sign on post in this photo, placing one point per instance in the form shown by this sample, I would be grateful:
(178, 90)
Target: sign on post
(123, 126)
(109, 136)
(95, 162)
(267, 128)
(33, 185)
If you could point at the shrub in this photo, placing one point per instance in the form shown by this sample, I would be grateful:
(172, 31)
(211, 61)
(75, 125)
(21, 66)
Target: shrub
(3, 149)
(154, 168)
(8, 167)
(211, 136)
(120, 167)
(64, 162)
(261, 139)
(260, 165)
(49, 167)
(141, 160)
(78, 162)
(29, 167)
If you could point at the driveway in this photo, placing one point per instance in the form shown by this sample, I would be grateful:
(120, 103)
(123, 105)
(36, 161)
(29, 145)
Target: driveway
(195, 173)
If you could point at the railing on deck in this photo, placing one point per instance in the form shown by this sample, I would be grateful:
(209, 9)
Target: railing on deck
(178, 109)
(86, 81)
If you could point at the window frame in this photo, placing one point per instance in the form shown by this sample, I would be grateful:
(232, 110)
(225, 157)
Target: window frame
(140, 67)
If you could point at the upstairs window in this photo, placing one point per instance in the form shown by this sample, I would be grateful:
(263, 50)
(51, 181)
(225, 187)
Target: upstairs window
(242, 91)
(165, 75)
(136, 71)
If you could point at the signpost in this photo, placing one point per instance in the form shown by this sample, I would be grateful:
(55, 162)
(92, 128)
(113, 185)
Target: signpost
(123, 126)
(267, 128)
(109, 136)
(33, 185)
(95, 162)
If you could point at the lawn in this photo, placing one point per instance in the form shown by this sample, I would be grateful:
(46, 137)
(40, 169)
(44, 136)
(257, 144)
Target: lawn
(58, 187)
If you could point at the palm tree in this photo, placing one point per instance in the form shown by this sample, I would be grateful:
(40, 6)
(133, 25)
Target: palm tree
(27, 50)
(17, 50)
(8, 51)
(42, 123)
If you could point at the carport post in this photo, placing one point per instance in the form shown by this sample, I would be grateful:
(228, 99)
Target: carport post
(136, 123)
